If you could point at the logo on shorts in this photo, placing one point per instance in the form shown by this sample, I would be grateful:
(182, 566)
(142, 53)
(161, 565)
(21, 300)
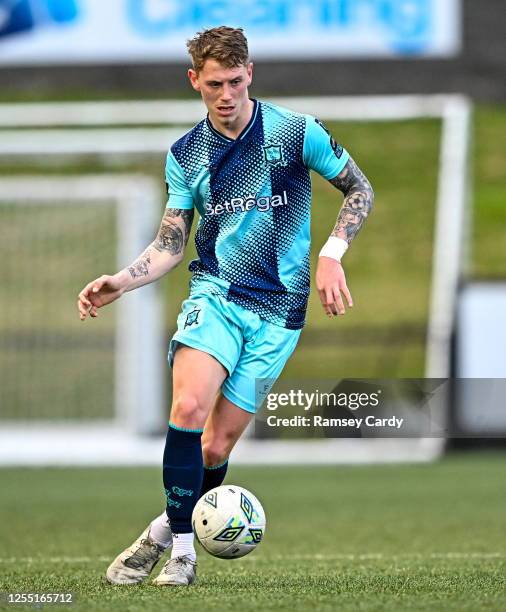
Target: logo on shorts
(273, 154)
(192, 318)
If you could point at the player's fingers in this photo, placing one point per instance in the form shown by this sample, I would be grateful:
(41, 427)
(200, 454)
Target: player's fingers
(83, 311)
(83, 297)
(346, 292)
(83, 305)
(323, 300)
(330, 301)
(97, 285)
(339, 304)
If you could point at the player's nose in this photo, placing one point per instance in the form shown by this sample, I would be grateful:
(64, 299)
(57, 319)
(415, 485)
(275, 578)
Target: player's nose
(226, 93)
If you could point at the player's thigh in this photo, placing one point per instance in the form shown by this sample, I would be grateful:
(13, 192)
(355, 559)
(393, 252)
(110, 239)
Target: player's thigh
(197, 378)
(203, 351)
(204, 324)
(260, 364)
(224, 426)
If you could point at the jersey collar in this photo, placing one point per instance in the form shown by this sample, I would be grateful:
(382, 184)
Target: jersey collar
(245, 130)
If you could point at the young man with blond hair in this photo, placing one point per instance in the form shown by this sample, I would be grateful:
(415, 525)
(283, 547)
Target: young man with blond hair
(246, 169)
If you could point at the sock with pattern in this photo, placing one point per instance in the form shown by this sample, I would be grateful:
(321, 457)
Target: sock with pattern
(182, 479)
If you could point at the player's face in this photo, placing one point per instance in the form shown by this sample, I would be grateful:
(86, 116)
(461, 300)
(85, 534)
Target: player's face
(224, 91)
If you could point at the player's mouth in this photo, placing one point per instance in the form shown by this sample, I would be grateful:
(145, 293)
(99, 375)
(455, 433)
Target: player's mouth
(225, 110)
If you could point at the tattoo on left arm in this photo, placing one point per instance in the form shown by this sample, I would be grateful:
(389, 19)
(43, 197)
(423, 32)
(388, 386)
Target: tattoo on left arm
(358, 201)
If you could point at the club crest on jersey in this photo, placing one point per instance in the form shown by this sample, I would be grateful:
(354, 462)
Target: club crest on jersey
(273, 154)
(192, 318)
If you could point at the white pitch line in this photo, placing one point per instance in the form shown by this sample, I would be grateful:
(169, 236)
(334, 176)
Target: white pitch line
(385, 557)
(54, 559)
(316, 557)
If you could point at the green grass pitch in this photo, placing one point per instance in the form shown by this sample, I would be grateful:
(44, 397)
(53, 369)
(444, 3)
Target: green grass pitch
(424, 537)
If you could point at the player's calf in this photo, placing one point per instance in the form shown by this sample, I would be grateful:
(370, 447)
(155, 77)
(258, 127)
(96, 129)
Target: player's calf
(215, 452)
(214, 475)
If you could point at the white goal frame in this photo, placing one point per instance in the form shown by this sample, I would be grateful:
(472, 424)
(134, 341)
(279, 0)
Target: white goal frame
(47, 130)
(136, 199)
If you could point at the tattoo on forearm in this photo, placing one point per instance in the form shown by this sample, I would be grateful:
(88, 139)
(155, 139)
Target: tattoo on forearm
(172, 238)
(140, 267)
(358, 201)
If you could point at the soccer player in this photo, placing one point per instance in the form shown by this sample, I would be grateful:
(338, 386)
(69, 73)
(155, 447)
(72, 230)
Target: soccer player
(246, 169)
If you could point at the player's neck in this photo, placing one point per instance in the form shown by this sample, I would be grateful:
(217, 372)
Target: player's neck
(234, 128)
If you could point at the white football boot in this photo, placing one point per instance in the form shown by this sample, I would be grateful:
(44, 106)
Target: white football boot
(180, 571)
(135, 563)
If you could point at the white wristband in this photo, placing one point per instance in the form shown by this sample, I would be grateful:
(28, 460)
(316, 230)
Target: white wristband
(334, 248)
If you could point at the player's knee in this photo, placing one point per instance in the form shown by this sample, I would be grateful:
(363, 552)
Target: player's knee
(188, 411)
(215, 452)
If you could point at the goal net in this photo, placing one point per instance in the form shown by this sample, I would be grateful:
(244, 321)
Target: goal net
(98, 396)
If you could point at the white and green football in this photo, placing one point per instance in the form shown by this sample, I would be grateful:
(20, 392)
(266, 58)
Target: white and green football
(229, 521)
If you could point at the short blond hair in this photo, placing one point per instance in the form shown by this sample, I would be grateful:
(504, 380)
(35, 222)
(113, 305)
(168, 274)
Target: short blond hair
(228, 46)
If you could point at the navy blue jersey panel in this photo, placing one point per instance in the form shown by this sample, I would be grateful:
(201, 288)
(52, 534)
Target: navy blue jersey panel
(254, 195)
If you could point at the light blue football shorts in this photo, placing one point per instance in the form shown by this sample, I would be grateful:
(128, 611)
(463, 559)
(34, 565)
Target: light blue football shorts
(248, 347)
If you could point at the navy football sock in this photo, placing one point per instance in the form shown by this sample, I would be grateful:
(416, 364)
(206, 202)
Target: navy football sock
(213, 477)
(182, 475)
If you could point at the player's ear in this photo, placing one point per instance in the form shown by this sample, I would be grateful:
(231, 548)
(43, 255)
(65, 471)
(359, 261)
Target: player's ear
(249, 71)
(194, 79)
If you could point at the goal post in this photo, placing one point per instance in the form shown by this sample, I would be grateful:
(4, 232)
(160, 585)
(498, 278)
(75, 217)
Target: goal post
(38, 131)
(451, 252)
(138, 368)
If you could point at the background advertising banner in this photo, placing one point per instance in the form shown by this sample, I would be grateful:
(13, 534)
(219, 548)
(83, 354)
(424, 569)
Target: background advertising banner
(94, 31)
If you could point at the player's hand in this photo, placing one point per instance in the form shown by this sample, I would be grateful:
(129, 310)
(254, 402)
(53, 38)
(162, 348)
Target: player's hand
(98, 293)
(331, 286)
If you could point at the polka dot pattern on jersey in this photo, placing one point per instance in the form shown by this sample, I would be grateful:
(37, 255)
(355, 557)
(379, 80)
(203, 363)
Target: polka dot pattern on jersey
(253, 242)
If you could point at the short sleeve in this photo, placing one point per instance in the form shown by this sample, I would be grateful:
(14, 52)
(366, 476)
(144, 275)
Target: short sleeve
(321, 152)
(179, 195)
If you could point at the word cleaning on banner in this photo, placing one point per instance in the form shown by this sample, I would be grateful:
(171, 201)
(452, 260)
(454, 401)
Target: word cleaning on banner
(72, 31)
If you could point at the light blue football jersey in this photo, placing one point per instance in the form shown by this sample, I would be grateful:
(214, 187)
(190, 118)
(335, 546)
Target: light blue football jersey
(254, 199)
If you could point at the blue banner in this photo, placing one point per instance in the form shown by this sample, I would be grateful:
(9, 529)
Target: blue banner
(63, 31)
(23, 15)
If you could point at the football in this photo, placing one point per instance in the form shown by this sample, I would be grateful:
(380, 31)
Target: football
(229, 521)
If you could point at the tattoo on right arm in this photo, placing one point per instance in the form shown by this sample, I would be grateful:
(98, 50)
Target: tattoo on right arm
(140, 267)
(172, 238)
(182, 213)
